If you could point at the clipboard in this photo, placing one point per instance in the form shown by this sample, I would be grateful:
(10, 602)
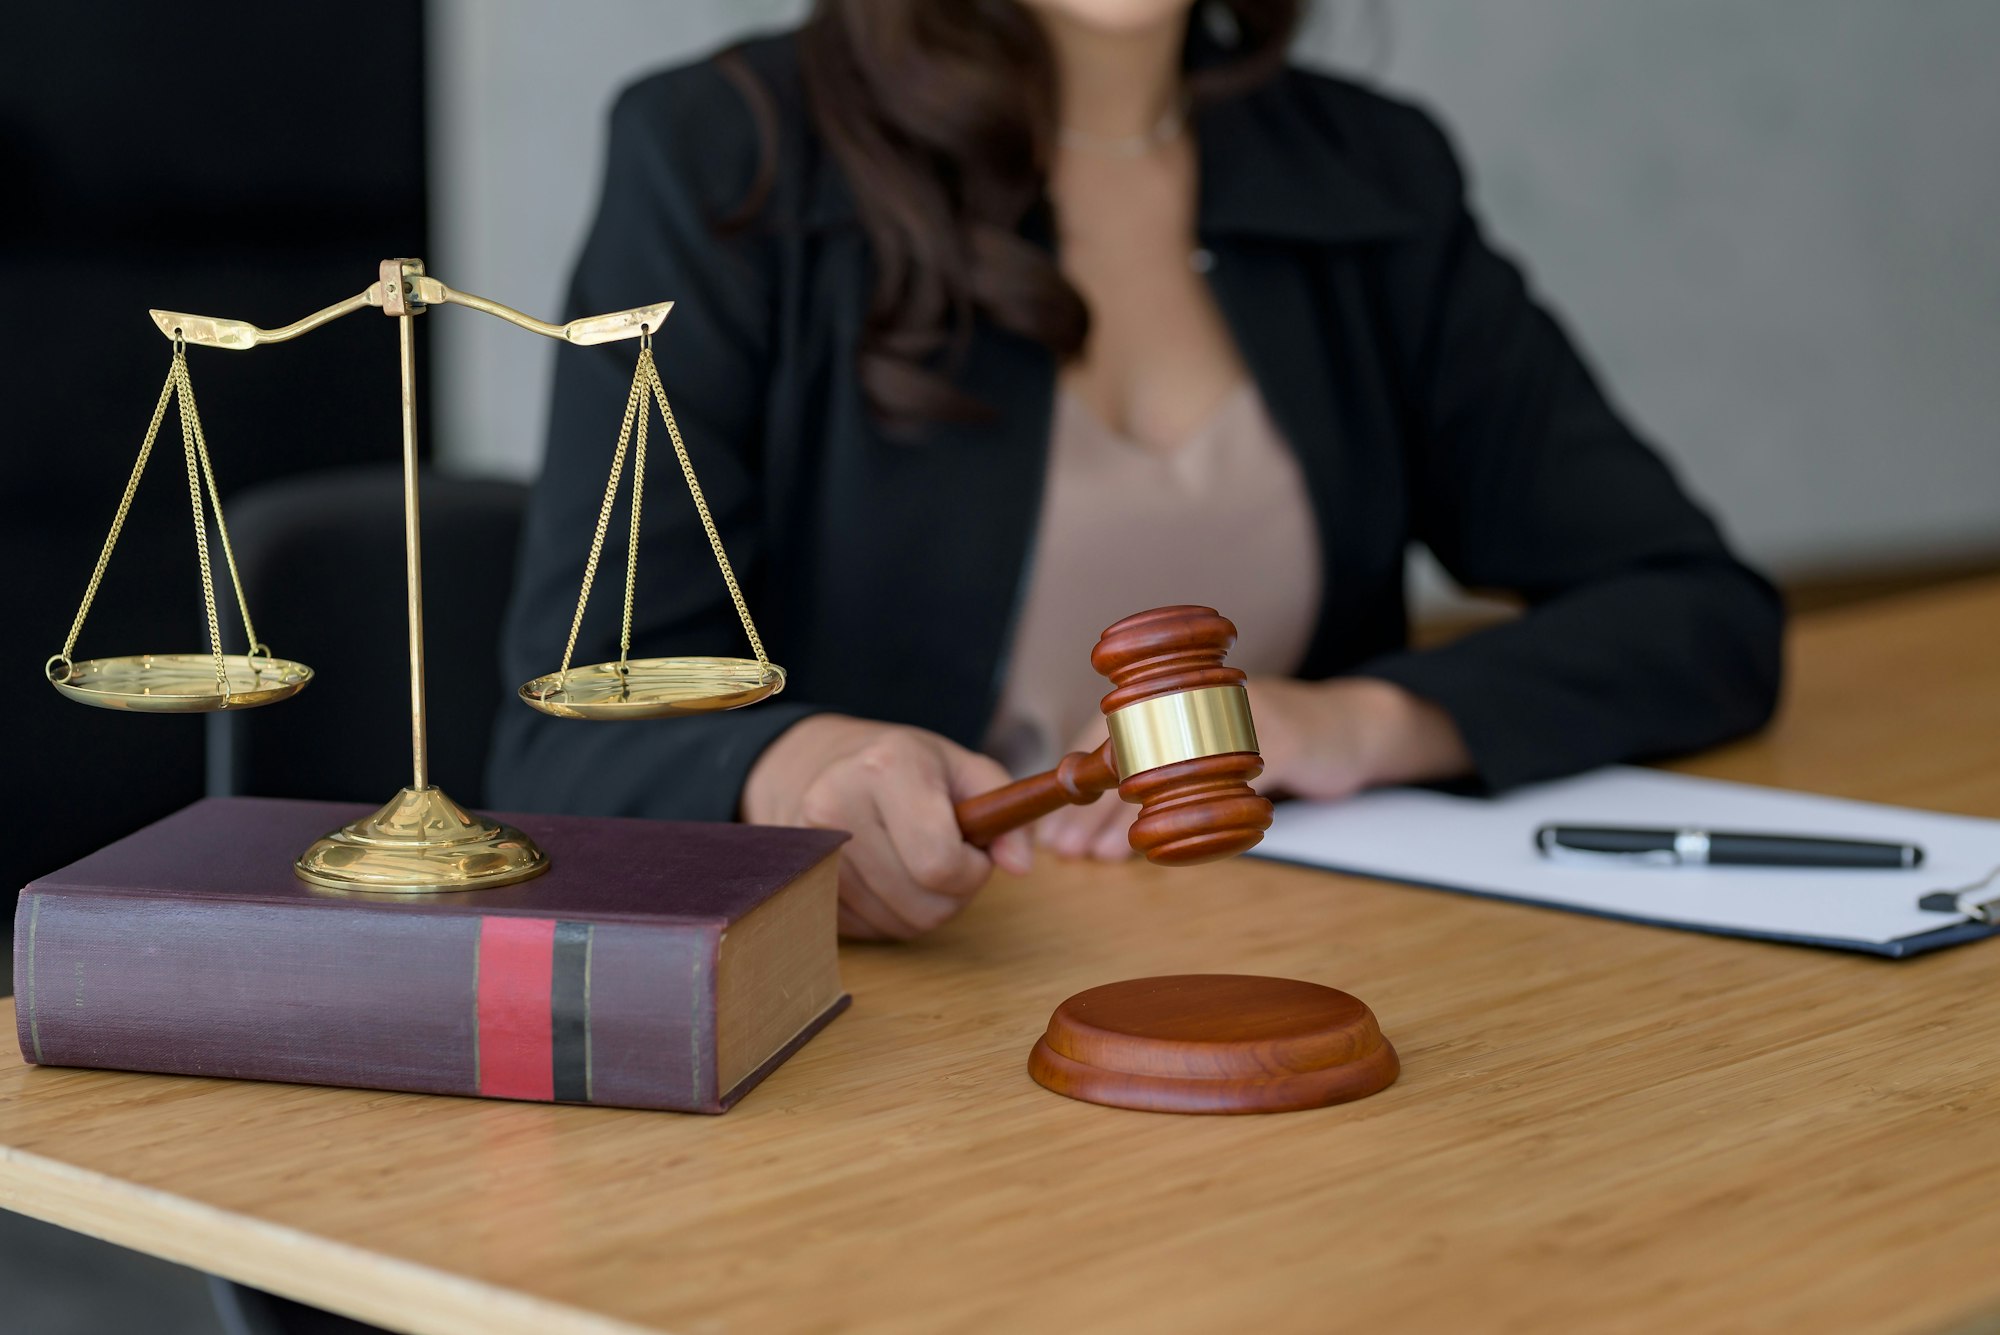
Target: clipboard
(1484, 846)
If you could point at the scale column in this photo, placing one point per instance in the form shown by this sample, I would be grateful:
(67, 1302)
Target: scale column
(413, 555)
(422, 842)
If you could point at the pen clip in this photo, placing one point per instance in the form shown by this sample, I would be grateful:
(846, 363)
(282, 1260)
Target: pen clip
(1969, 899)
(1652, 857)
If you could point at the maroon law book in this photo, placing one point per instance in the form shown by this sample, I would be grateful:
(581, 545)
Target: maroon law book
(656, 964)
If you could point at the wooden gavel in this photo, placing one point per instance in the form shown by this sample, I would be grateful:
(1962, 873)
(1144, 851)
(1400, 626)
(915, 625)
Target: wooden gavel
(1182, 746)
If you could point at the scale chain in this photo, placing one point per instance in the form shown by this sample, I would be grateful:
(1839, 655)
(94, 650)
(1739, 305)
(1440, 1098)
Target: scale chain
(633, 401)
(118, 520)
(632, 440)
(200, 471)
(701, 506)
(632, 549)
(189, 413)
(201, 533)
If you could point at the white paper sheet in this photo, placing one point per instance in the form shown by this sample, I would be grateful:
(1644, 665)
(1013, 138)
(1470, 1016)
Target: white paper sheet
(1487, 845)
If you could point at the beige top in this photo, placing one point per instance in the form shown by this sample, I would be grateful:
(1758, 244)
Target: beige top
(1220, 520)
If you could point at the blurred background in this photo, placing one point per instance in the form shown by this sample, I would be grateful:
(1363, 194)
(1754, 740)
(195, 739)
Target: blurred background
(1769, 224)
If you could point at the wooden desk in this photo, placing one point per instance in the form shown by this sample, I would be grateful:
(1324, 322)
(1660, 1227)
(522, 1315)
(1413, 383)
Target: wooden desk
(1599, 1126)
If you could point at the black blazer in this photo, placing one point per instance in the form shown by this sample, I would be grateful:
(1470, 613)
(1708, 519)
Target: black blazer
(1428, 396)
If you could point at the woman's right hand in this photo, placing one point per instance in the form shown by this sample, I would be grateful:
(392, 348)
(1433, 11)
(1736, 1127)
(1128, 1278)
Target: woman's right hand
(893, 787)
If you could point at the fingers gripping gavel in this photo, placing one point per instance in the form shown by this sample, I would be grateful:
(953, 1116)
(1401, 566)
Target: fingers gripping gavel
(1182, 746)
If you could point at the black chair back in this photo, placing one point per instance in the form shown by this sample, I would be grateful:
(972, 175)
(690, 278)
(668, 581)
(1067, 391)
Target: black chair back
(322, 562)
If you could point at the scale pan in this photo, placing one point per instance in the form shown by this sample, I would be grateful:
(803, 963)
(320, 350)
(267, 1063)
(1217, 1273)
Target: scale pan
(655, 688)
(179, 683)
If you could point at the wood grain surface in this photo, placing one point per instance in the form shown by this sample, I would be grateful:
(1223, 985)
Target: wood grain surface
(1599, 1126)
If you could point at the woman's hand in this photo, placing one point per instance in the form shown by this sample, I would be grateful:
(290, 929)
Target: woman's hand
(908, 869)
(1325, 740)
(1322, 740)
(1098, 830)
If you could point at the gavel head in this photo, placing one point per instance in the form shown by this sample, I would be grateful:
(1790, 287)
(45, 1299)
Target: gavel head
(1181, 737)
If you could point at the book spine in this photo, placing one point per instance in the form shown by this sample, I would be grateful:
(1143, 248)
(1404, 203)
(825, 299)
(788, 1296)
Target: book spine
(374, 996)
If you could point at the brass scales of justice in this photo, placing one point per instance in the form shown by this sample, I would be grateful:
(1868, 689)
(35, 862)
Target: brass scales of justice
(421, 842)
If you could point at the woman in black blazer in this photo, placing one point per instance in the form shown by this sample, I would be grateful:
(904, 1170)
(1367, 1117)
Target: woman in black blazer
(867, 228)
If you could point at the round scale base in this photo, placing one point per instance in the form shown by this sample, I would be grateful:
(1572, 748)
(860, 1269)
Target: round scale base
(178, 683)
(421, 843)
(654, 688)
(1213, 1043)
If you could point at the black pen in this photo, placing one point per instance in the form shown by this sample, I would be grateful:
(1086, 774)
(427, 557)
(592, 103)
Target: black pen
(1719, 848)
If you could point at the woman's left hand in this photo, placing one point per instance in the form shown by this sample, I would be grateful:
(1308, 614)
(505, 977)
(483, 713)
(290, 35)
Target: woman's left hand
(1321, 740)
(1327, 740)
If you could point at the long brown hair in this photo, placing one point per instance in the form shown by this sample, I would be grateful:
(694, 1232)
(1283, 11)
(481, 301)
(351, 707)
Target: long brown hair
(941, 115)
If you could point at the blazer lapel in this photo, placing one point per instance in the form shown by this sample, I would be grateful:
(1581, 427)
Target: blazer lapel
(1285, 216)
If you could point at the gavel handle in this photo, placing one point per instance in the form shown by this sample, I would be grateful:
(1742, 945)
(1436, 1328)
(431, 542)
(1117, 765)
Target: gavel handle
(1081, 777)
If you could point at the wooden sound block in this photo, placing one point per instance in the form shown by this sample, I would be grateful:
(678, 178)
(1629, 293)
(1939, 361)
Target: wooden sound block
(1213, 1043)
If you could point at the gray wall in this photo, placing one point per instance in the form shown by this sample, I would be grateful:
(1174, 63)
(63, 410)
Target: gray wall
(1769, 222)
(520, 91)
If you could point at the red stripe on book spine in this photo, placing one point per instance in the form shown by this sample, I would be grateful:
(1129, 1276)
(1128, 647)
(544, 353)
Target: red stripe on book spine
(516, 966)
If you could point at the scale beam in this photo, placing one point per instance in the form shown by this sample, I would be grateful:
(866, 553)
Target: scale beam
(209, 331)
